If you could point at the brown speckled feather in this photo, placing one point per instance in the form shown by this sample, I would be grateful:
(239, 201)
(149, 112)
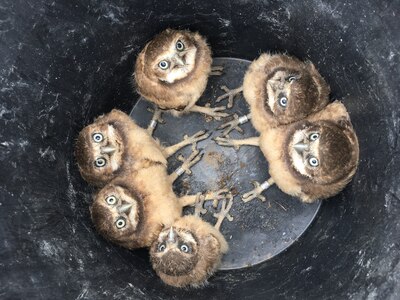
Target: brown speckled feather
(211, 245)
(309, 93)
(337, 169)
(181, 94)
(157, 207)
(138, 148)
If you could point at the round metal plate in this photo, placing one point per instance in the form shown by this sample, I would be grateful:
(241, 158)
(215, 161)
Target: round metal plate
(260, 230)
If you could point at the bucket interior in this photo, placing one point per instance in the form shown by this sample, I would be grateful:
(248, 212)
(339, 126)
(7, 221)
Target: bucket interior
(63, 63)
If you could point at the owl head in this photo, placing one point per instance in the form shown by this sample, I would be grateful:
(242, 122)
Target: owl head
(293, 91)
(323, 152)
(99, 148)
(171, 56)
(118, 214)
(188, 252)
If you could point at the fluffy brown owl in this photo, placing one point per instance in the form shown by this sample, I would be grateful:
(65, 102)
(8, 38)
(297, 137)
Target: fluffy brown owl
(189, 251)
(280, 89)
(172, 71)
(115, 144)
(132, 209)
(311, 159)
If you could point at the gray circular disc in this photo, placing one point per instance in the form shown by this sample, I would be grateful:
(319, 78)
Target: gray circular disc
(259, 230)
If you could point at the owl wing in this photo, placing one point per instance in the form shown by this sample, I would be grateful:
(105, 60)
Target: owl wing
(335, 112)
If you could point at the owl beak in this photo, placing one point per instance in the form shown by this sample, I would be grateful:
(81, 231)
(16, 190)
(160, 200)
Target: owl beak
(178, 61)
(171, 235)
(108, 149)
(300, 147)
(124, 208)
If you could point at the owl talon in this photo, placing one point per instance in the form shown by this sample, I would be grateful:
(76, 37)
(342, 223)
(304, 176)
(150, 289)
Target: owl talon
(224, 211)
(247, 197)
(216, 70)
(217, 196)
(188, 162)
(214, 112)
(230, 94)
(199, 205)
(197, 137)
(226, 142)
(258, 189)
(233, 124)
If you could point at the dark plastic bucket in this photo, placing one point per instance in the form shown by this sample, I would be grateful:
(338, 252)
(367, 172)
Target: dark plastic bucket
(65, 62)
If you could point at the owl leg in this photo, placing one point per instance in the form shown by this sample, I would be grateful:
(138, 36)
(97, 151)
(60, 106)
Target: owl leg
(234, 124)
(224, 212)
(199, 199)
(228, 142)
(216, 70)
(187, 163)
(214, 112)
(196, 200)
(258, 189)
(199, 205)
(154, 120)
(217, 196)
(198, 136)
(230, 94)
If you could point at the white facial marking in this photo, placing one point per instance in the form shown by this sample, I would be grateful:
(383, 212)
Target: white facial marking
(276, 86)
(176, 73)
(132, 216)
(297, 158)
(300, 161)
(271, 97)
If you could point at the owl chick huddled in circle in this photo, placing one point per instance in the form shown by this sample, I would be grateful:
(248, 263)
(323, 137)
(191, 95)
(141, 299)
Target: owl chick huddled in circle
(172, 71)
(132, 209)
(190, 250)
(280, 89)
(114, 144)
(311, 147)
(311, 159)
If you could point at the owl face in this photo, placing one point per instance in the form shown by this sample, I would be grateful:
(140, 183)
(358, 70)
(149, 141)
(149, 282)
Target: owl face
(320, 151)
(116, 213)
(290, 95)
(170, 56)
(175, 252)
(99, 150)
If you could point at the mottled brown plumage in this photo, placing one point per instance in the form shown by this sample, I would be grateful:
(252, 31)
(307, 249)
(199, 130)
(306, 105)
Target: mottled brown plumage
(273, 77)
(189, 251)
(336, 152)
(133, 208)
(280, 89)
(172, 71)
(121, 146)
(154, 205)
(310, 159)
